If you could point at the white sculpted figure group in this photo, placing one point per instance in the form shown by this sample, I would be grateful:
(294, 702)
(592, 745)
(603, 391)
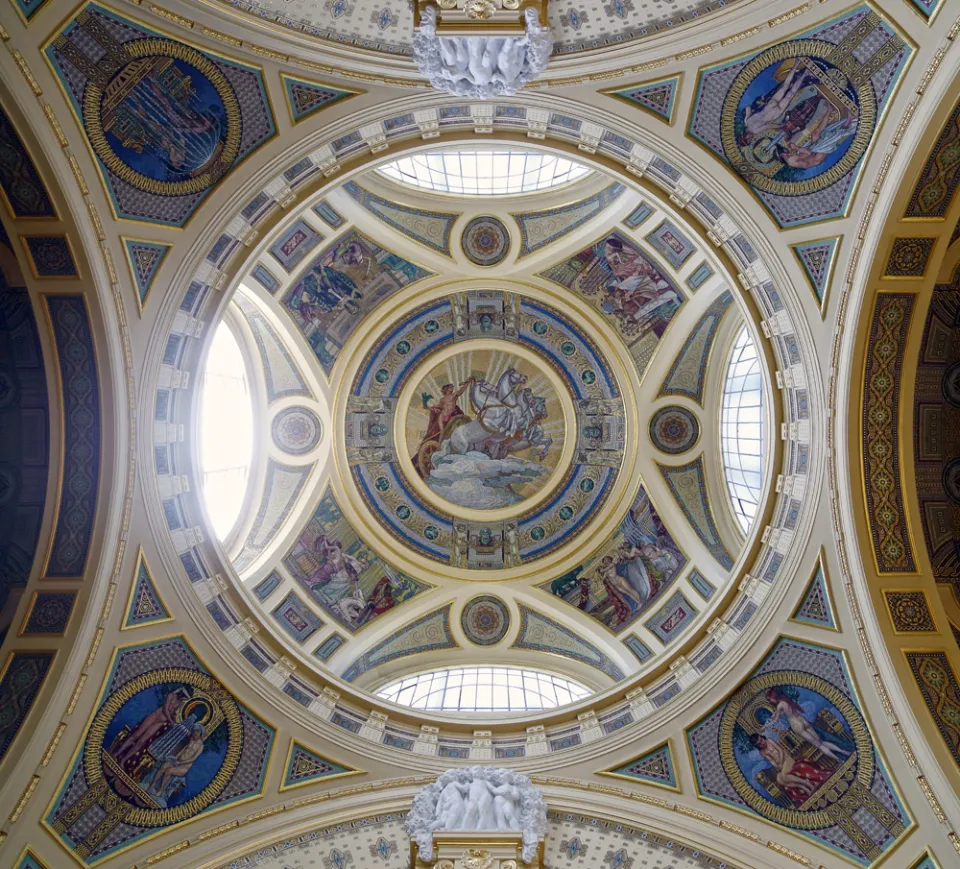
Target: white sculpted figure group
(479, 798)
(481, 67)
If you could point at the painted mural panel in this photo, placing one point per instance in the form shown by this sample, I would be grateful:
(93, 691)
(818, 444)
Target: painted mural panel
(341, 286)
(791, 745)
(626, 286)
(628, 574)
(342, 574)
(166, 122)
(796, 120)
(166, 744)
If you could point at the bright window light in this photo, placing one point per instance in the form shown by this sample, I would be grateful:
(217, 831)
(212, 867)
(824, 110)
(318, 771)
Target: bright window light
(484, 172)
(484, 689)
(226, 431)
(741, 434)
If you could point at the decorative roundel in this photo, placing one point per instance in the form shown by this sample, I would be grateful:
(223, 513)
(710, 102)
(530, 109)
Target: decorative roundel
(485, 241)
(674, 430)
(951, 480)
(485, 620)
(796, 750)
(296, 430)
(950, 384)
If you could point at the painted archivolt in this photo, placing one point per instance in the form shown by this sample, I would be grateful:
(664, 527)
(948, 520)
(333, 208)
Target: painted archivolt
(792, 746)
(23, 190)
(459, 377)
(796, 120)
(937, 681)
(22, 678)
(937, 434)
(941, 174)
(166, 744)
(166, 121)
(880, 431)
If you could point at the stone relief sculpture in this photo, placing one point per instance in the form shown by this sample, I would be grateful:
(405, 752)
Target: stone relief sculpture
(479, 798)
(481, 67)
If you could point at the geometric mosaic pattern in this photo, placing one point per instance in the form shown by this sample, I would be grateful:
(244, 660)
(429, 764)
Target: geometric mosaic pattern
(938, 684)
(20, 184)
(167, 744)
(909, 612)
(540, 228)
(657, 98)
(817, 258)
(305, 98)
(20, 681)
(305, 766)
(50, 256)
(145, 259)
(48, 614)
(145, 606)
(81, 454)
(656, 767)
(908, 257)
(161, 146)
(881, 464)
(791, 746)
(795, 120)
(688, 373)
(815, 607)
(941, 174)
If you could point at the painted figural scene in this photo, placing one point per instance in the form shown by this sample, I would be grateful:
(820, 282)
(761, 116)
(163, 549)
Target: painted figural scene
(629, 574)
(485, 430)
(342, 574)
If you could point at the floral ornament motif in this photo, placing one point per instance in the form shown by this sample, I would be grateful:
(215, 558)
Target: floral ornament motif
(674, 430)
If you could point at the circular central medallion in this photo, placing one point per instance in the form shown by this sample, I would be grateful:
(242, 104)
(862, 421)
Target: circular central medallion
(485, 426)
(484, 430)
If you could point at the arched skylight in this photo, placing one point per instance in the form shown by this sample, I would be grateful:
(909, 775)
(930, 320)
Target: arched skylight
(741, 434)
(226, 431)
(481, 172)
(484, 689)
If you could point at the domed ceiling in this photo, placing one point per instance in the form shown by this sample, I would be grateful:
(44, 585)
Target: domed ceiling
(388, 25)
(486, 431)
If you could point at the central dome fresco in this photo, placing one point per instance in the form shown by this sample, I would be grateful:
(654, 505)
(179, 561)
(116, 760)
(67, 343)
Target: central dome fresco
(487, 421)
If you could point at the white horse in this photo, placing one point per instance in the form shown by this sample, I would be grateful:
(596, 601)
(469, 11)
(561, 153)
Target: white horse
(499, 407)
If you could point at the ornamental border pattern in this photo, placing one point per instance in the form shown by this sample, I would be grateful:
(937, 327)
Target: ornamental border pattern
(886, 512)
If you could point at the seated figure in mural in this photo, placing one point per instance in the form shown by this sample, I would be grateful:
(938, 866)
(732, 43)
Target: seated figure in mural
(327, 287)
(767, 110)
(790, 712)
(636, 290)
(338, 578)
(798, 778)
(150, 728)
(179, 764)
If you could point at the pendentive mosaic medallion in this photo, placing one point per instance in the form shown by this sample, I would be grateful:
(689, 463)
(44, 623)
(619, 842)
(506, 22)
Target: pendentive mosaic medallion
(296, 430)
(485, 241)
(484, 429)
(674, 430)
(485, 620)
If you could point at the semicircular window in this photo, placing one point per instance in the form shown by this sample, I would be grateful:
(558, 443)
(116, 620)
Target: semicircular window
(484, 172)
(226, 431)
(741, 434)
(484, 689)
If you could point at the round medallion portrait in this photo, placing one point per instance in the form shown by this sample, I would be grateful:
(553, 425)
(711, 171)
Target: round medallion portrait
(296, 430)
(167, 121)
(674, 430)
(485, 429)
(166, 744)
(796, 749)
(485, 241)
(485, 620)
(793, 122)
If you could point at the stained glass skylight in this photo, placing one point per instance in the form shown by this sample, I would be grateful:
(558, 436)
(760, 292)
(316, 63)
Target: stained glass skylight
(482, 172)
(226, 431)
(741, 429)
(484, 689)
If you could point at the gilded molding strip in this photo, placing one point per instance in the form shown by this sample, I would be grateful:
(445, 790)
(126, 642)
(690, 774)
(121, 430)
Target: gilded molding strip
(886, 513)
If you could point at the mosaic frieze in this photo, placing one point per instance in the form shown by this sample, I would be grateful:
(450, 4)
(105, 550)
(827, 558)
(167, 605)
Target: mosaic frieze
(24, 193)
(629, 574)
(940, 176)
(342, 574)
(166, 744)
(21, 679)
(519, 412)
(796, 120)
(791, 745)
(340, 287)
(166, 121)
(937, 681)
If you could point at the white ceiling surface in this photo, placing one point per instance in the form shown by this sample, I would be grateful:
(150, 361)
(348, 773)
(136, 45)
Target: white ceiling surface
(387, 25)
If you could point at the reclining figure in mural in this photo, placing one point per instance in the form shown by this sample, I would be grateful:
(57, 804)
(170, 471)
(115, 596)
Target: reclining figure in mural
(481, 67)
(479, 798)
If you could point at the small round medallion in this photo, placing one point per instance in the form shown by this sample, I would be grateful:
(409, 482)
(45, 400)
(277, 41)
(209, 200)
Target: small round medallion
(674, 430)
(485, 241)
(296, 430)
(485, 620)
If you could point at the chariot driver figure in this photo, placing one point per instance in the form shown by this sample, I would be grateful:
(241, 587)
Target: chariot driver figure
(442, 411)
